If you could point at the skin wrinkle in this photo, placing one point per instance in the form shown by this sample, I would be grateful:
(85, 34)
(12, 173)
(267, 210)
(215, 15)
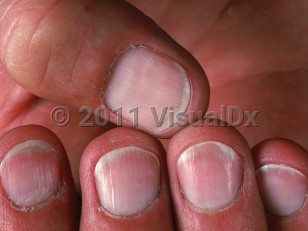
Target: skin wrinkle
(7, 10)
(20, 100)
(40, 20)
(81, 49)
(8, 35)
(84, 46)
(228, 75)
(169, 6)
(223, 12)
(277, 132)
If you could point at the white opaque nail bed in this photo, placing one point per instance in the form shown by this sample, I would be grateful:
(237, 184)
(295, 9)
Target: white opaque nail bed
(143, 78)
(210, 175)
(31, 173)
(127, 180)
(283, 189)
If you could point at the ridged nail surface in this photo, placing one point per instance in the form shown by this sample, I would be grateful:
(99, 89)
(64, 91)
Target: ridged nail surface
(283, 189)
(31, 173)
(210, 175)
(153, 83)
(127, 180)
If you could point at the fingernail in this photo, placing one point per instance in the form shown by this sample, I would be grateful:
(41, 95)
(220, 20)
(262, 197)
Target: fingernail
(31, 173)
(154, 83)
(127, 180)
(283, 189)
(210, 175)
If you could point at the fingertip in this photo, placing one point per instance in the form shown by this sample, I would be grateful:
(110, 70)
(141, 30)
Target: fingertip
(124, 183)
(35, 181)
(104, 54)
(281, 172)
(212, 180)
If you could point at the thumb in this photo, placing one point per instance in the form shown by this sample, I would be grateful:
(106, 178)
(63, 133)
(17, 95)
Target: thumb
(102, 53)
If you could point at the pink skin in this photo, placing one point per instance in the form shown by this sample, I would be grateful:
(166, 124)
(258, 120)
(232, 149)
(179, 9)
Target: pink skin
(247, 60)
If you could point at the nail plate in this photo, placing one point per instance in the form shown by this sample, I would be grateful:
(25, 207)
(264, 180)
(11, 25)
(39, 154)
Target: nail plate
(30, 173)
(210, 175)
(283, 189)
(155, 84)
(127, 180)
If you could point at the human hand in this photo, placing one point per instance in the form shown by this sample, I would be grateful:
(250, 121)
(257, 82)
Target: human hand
(63, 52)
